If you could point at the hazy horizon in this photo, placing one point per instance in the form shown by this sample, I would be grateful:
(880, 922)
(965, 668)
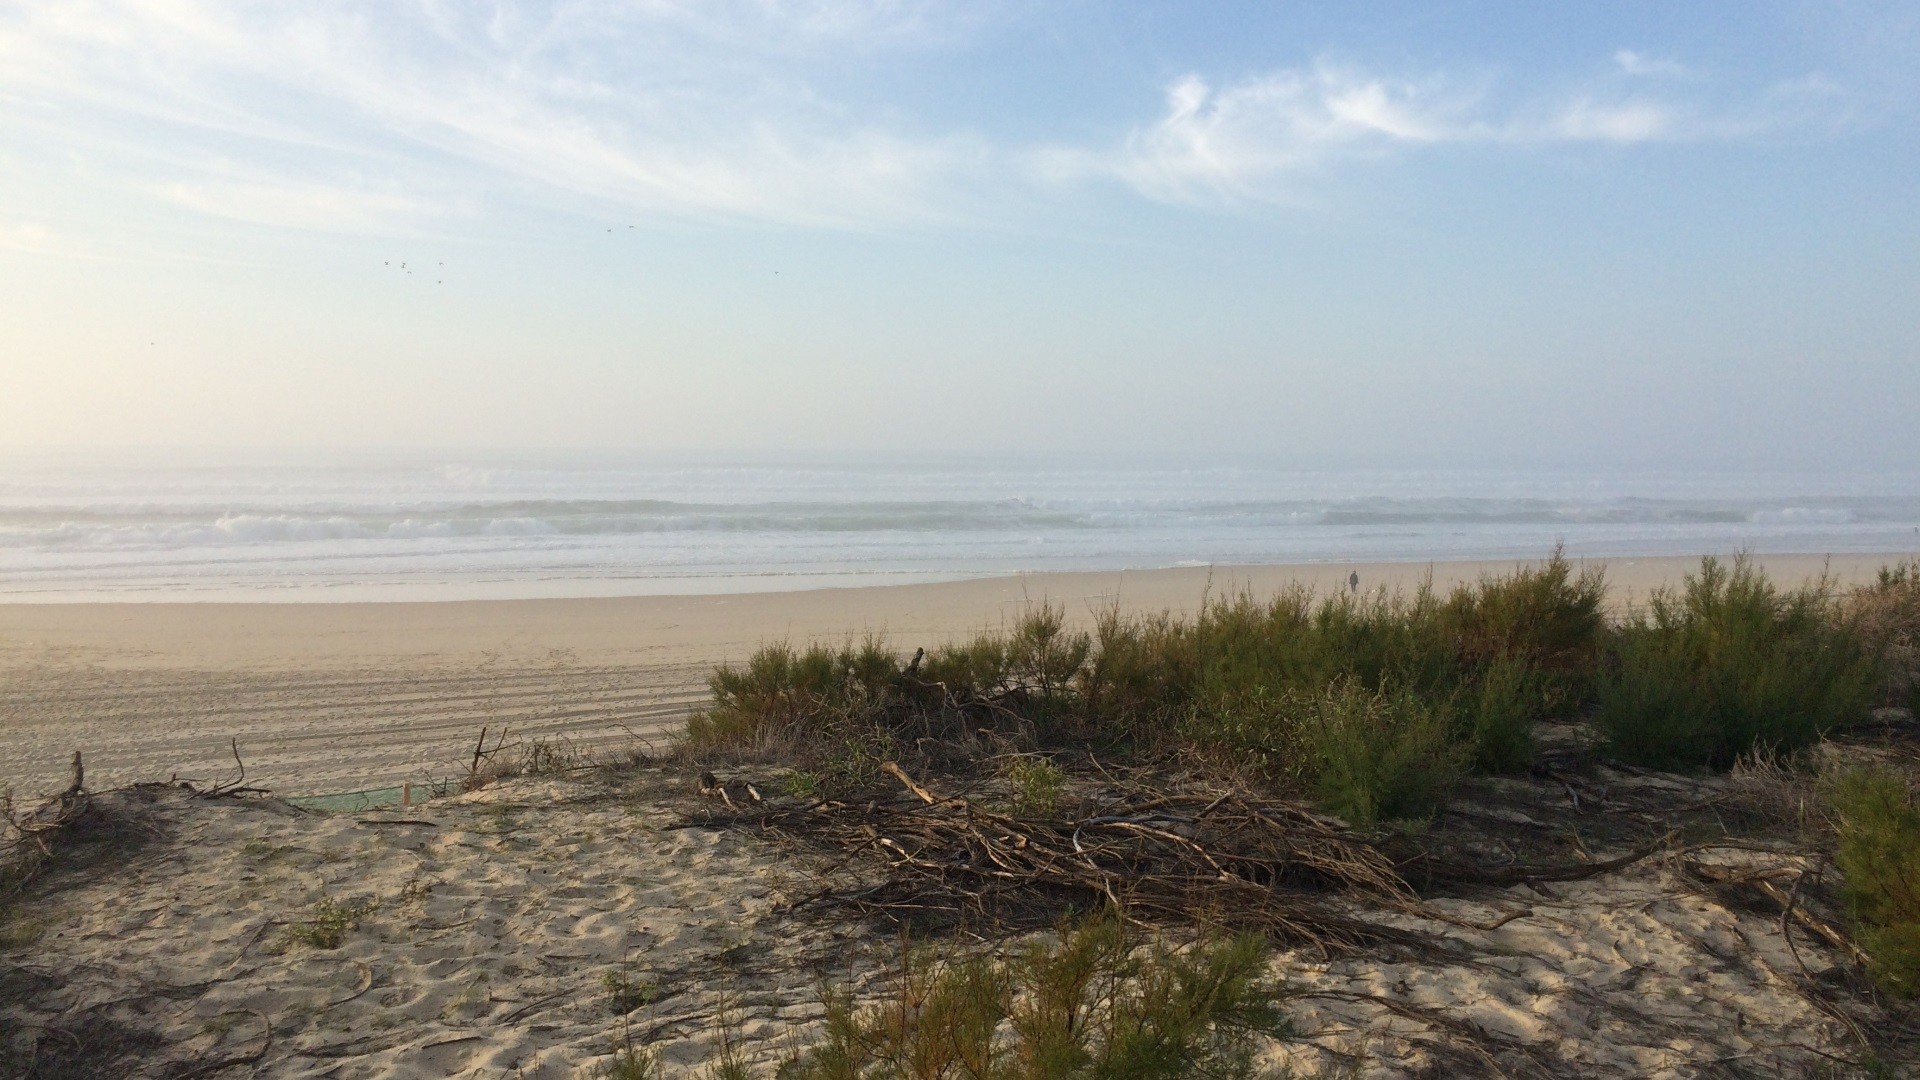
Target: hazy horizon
(432, 526)
(1469, 235)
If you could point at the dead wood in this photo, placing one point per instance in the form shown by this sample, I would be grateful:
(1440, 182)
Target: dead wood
(1177, 858)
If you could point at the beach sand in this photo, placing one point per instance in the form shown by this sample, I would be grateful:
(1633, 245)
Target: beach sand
(340, 697)
(499, 927)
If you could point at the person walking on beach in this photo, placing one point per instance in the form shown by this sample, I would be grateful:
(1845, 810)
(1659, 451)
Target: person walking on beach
(1353, 582)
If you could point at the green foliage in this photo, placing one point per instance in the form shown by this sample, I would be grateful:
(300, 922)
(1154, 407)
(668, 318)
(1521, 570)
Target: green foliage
(1037, 786)
(1542, 619)
(1501, 715)
(330, 923)
(1448, 680)
(627, 991)
(787, 695)
(805, 784)
(1879, 854)
(1730, 664)
(1365, 755)
(1887, 614)
(1375, 757)
(1091, 1004)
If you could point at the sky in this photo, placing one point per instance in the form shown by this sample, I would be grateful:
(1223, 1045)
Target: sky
(1627, 234)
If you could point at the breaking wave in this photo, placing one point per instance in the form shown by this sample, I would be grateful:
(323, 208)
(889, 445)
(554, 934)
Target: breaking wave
(107, 531)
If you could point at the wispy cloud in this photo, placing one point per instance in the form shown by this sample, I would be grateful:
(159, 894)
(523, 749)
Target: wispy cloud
(661, 106)
(1633, 62)
(1254, 140)
(1235, 141)
(385, 115)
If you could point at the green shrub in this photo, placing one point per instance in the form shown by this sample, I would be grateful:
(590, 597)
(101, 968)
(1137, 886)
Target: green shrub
(1887, 614)
(1035, 666)
(1879, 854)
(1091, 1004)
(1542, 618)
(1375, 757)
(1364, 755)
(1501, 714)
(783, 695)
(1037, 784)
(1239, 680)
(630, 1062)
(1730, 664)
(1525, 643)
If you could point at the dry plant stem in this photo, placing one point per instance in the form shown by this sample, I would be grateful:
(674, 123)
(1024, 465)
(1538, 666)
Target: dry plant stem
(1760, 879)
(238, 785)
(1167, 859)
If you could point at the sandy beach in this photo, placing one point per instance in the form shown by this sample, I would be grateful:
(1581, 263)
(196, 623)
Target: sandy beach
(326, 698)
(495, 929)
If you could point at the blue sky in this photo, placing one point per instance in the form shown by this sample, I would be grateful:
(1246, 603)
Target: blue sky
(1625, 234)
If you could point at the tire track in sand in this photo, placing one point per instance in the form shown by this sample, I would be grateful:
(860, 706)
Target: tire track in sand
(314, 732)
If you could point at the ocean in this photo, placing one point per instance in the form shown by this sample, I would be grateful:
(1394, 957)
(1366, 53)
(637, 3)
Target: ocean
(476, 526)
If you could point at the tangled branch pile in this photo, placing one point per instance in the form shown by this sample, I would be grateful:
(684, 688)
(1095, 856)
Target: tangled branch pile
(1233, 859)
(27, 839)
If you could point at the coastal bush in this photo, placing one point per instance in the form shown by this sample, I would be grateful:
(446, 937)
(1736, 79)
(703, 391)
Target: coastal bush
(1500, 715)
(1728, 664)
(1887, 615)
(1089, 1003)
(1372, 756)
(1448, 680)
(785, 696)
(1541, 618)
(1879, 855)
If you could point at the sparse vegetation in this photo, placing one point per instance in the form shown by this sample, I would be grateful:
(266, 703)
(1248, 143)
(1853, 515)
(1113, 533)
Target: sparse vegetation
(19, 930)
(630, 1062)
(1037, 784)
(331, 921)
(729, 1059)
(538, 756)
(1090, 1003)
(627, 991)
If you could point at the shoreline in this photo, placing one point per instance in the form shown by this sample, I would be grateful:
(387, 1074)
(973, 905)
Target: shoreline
(327, 697)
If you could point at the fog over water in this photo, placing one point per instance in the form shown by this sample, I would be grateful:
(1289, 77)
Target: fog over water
(425, 528)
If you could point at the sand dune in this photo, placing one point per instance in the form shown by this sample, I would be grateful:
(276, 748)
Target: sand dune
(498, 926)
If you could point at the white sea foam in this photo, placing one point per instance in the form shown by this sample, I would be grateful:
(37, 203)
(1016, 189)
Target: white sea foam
(579, 527)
